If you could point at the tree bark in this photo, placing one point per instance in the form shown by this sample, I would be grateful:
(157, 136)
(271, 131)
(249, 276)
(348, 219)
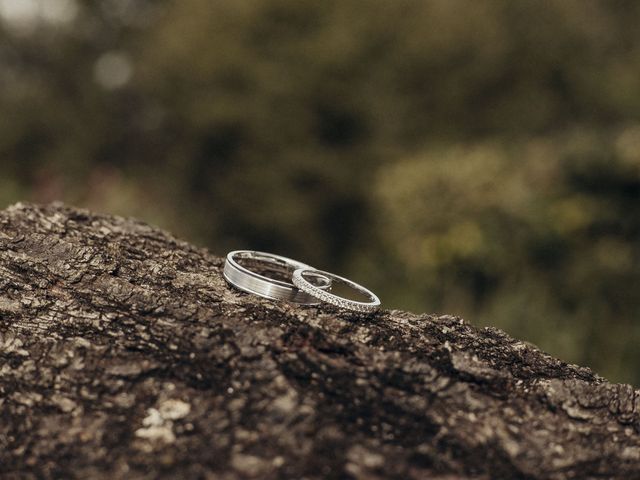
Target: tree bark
(126, 355)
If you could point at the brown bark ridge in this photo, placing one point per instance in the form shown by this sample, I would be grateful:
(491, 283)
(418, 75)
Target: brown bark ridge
(124, 354)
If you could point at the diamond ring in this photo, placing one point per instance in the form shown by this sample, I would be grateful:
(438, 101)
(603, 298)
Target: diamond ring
(300, 280)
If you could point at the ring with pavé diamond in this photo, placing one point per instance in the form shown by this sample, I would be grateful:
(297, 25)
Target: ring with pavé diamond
(305, 285)
(251, 281)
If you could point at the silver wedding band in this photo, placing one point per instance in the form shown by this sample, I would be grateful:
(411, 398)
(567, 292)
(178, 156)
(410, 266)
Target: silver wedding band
(308, 287)
(251, 281)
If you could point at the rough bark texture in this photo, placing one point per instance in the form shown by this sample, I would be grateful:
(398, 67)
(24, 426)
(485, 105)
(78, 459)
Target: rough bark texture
(124, 354)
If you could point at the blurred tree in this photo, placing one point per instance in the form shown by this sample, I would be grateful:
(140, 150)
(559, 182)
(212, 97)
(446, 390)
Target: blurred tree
(542, 247)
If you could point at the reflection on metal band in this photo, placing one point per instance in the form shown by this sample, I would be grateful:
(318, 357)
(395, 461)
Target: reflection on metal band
(251, 281)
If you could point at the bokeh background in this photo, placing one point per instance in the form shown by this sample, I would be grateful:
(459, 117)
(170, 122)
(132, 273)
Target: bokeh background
(464, 157)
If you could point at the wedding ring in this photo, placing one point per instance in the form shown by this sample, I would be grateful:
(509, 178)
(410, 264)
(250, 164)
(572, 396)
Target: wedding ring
(305, 285)
(251, 281)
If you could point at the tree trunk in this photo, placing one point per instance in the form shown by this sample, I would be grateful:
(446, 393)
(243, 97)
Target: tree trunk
(126, 355)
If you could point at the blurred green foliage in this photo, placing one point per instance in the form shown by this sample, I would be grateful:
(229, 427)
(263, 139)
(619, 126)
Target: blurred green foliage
(476, 158)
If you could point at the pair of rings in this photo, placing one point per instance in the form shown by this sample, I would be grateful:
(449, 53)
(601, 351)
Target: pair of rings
(291, 281)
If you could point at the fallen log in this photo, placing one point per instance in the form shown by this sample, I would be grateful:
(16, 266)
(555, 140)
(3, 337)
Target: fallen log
(124, 354)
